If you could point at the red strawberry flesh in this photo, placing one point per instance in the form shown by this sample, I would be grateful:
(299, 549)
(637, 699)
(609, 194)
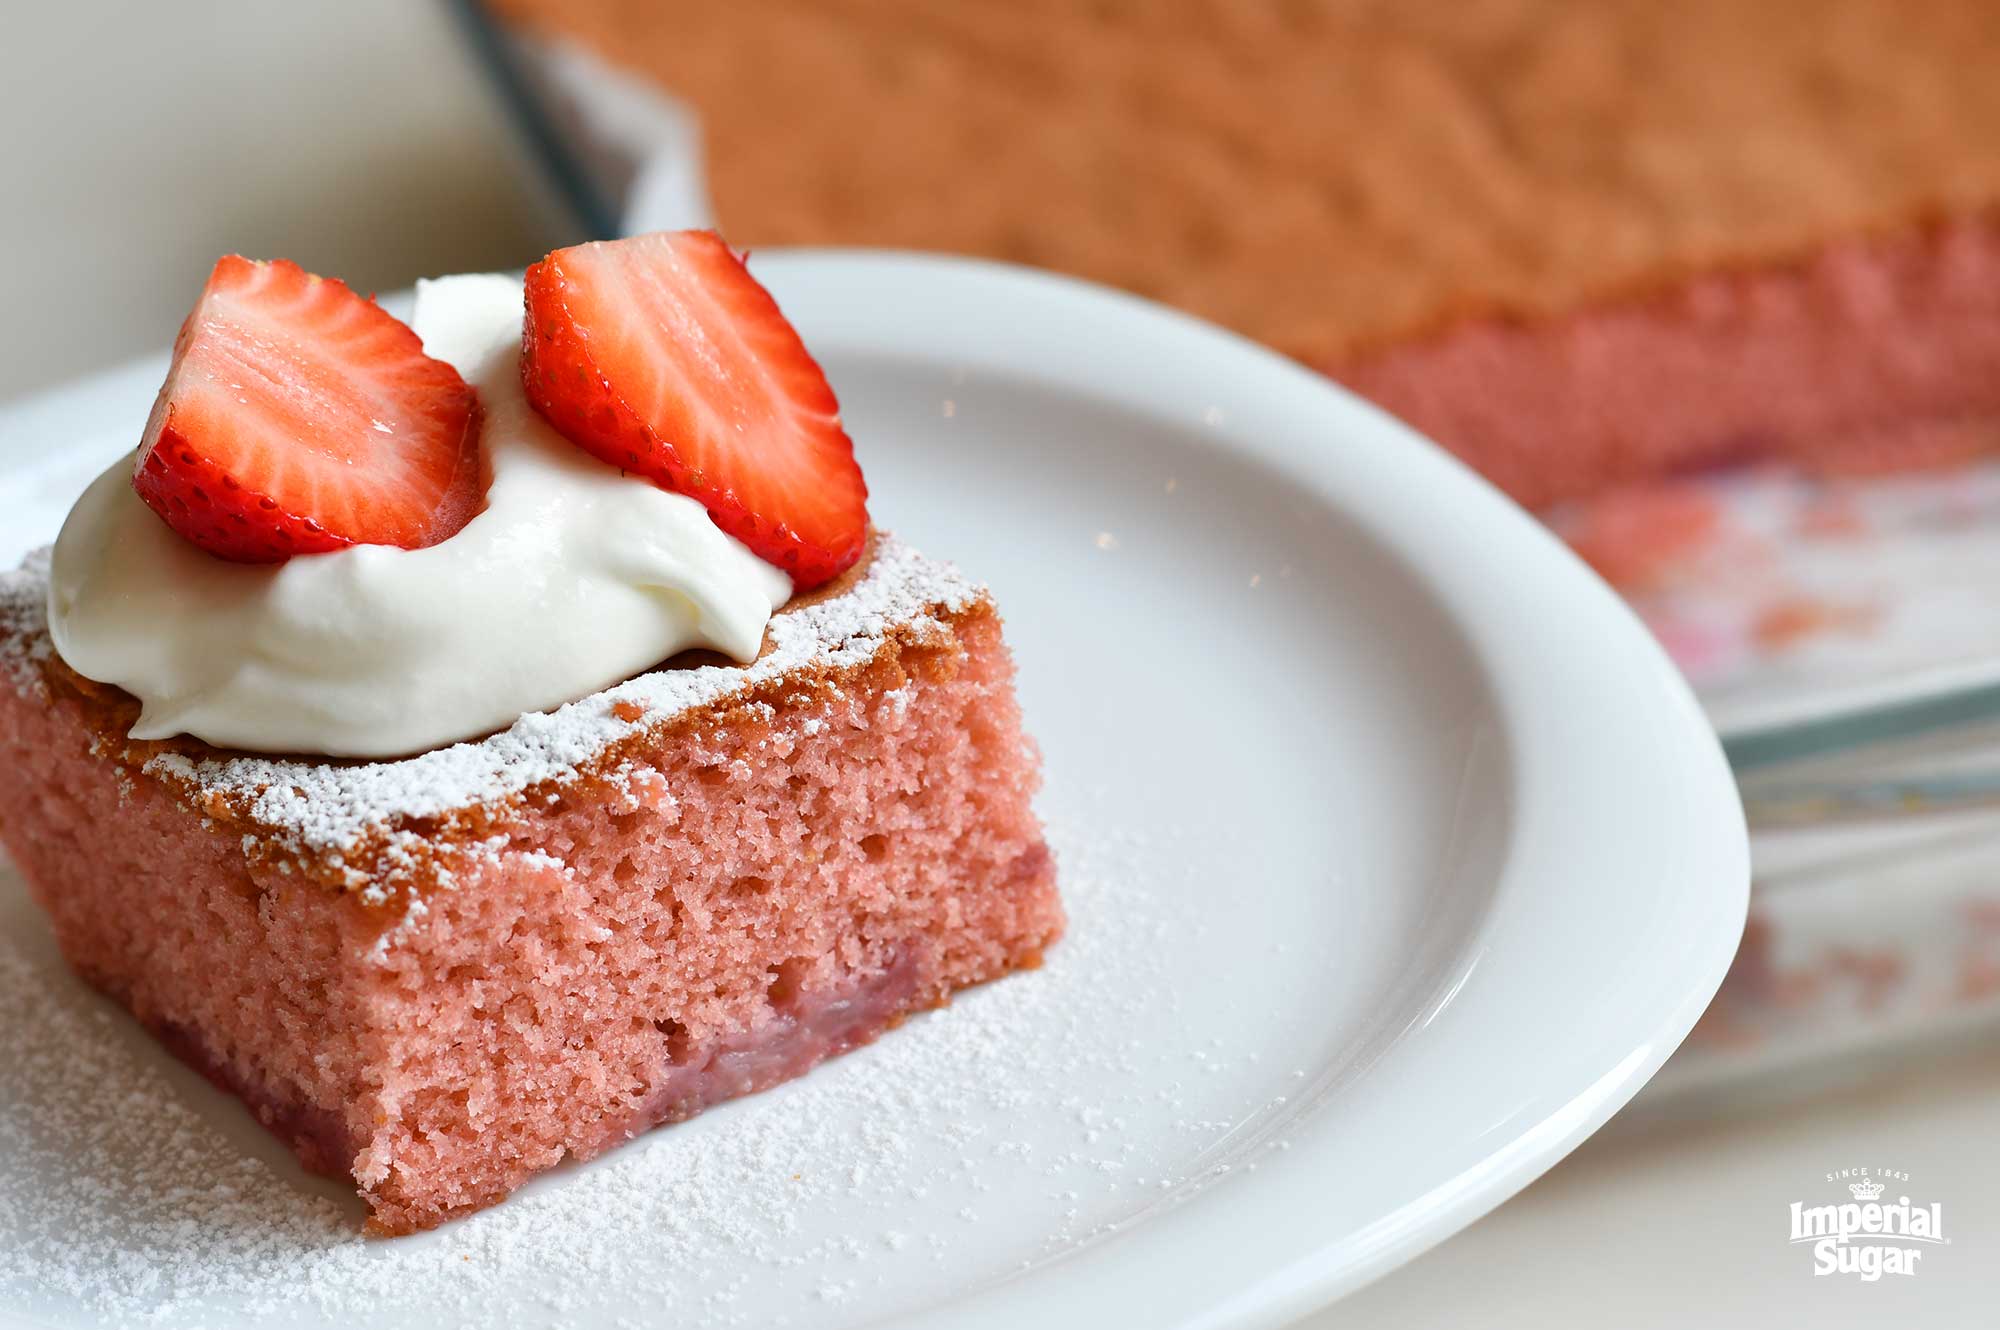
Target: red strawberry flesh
(661, 355)
(299, 418)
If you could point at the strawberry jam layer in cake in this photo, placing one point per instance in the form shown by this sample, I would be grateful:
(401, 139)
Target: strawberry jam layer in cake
(474, 749)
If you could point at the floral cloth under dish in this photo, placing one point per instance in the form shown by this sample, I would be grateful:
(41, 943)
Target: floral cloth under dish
(1790, 599)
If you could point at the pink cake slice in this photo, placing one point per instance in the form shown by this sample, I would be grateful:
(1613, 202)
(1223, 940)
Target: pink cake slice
(444, 974)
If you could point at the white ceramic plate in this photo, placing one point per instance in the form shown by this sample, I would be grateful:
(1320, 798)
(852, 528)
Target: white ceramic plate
(1398, 859)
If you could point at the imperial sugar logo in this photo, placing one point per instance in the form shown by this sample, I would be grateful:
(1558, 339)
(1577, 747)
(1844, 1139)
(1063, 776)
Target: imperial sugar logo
(1875, 1229)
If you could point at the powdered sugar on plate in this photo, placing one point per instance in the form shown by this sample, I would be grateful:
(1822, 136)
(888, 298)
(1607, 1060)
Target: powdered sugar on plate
(131, 1192)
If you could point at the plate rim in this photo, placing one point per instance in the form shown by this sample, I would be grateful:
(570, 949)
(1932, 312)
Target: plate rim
(1158, 1279)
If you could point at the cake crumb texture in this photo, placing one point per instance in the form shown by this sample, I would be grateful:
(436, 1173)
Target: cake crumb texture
(129, 1197)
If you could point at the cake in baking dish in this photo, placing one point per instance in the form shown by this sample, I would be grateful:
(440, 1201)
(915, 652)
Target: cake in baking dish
(1580, 243)
(439, 972)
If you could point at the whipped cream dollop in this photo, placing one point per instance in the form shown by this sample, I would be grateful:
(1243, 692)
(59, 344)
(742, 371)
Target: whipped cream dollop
(574, 577)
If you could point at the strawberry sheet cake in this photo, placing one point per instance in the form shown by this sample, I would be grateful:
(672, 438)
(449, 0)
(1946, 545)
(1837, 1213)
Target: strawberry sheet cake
(1579, 244)
(474, 748)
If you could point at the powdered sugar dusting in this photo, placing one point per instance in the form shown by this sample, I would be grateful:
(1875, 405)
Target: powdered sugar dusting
(324, 807)
(958, 1147)
(24, 610)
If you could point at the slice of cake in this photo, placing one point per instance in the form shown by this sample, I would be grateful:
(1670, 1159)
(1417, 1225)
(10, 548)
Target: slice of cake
(1577, 243)
(444, 974)
(607, 764)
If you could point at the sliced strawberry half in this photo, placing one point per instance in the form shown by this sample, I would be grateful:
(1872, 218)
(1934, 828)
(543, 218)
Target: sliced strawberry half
(663, 356)
(299, 418)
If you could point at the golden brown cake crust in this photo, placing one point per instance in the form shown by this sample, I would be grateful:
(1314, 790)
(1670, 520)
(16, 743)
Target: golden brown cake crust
(893, 617)
(907, 652)
(1328, 176)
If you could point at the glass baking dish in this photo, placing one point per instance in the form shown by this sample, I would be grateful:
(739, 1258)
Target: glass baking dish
(1844, 633)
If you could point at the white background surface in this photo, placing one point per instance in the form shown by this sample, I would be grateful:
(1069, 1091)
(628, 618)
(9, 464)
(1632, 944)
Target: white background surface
(144, 140)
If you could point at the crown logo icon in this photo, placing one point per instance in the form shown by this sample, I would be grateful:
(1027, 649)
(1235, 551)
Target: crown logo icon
(1865, 1190)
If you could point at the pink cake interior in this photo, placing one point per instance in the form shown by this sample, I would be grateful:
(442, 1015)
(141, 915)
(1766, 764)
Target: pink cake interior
(742, 901)
(1876, 352)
